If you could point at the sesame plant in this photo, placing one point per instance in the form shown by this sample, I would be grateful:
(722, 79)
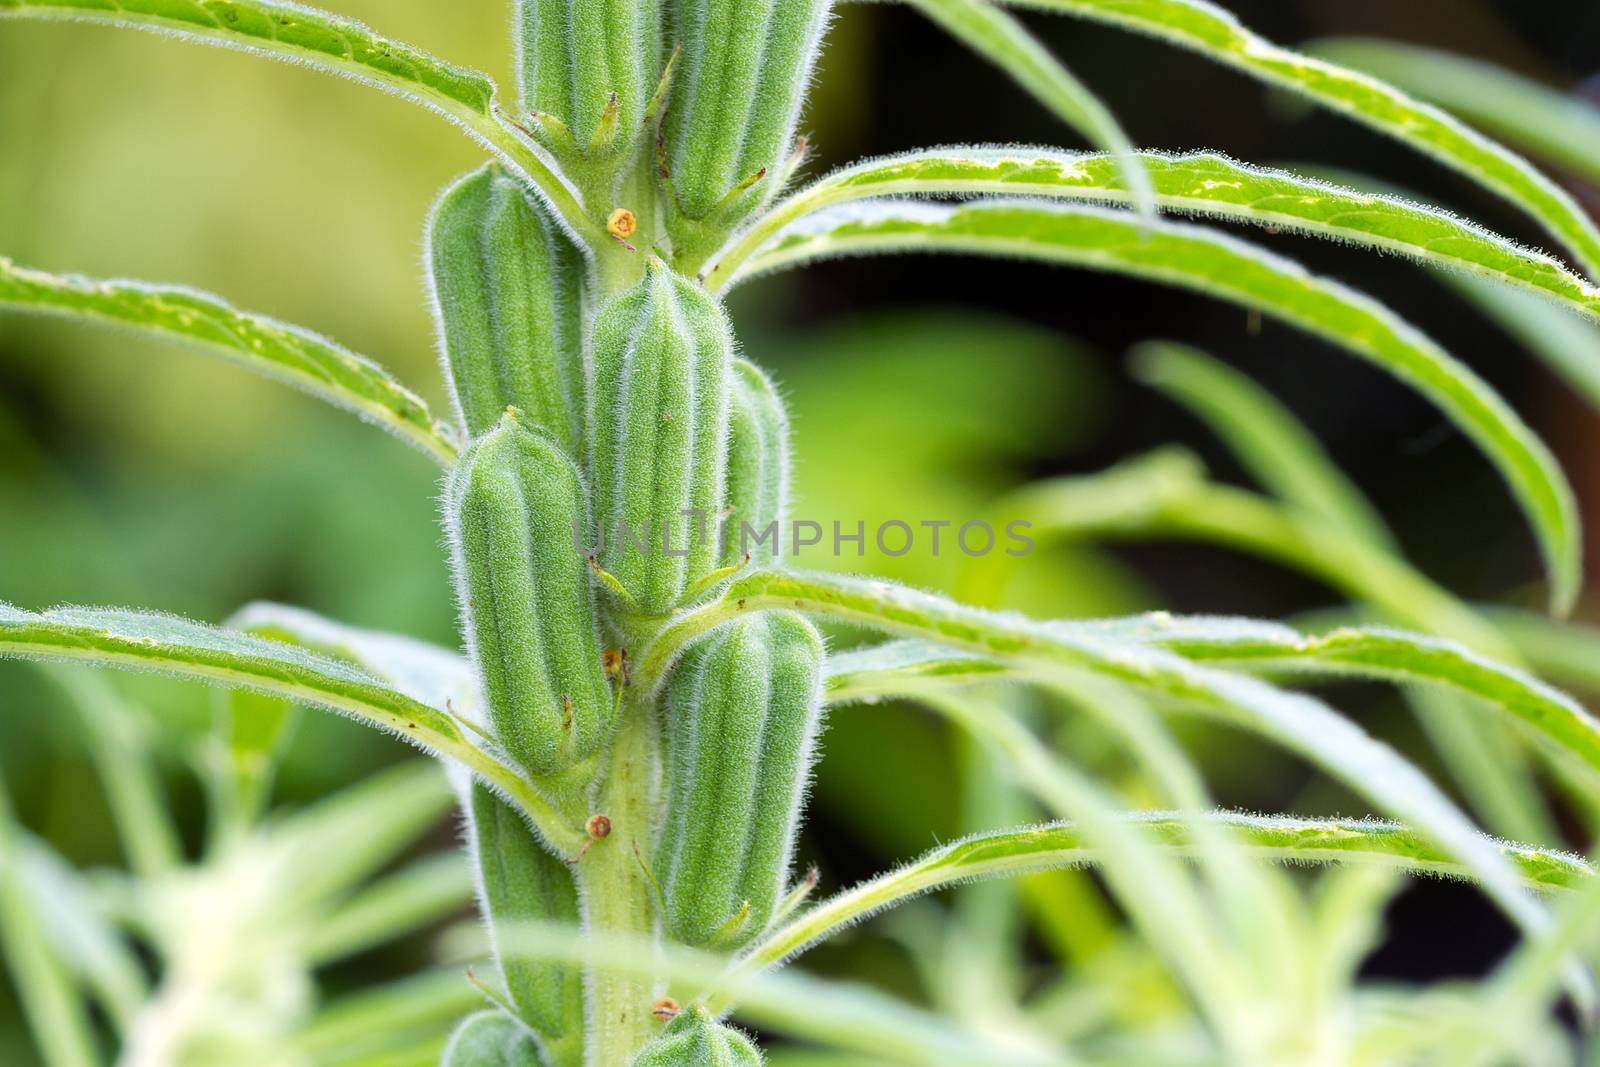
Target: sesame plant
(631, 724)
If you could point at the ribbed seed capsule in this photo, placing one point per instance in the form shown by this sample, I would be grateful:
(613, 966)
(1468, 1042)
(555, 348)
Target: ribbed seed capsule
(694, 1039)
(742, 77)
(573, 55)
(490, 1039)
(520, 882)
(757, 492)
(662, 355)
(742, 713)
(508, 292)
(515, 504)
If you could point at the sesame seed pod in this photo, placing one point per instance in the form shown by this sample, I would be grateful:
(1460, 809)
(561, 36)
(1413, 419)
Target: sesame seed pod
(519, 881)
(573, 55)
(742, 713)
(758, 464)
(694, 1039)
(490, 1039)
(508, 296)
(515, 506)
(745, 68)
(662, 355)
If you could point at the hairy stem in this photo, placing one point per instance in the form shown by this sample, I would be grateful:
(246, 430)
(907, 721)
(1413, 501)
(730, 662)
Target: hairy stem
(617, 894)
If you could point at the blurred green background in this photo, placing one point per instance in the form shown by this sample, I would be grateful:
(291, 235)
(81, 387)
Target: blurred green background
(133, 473)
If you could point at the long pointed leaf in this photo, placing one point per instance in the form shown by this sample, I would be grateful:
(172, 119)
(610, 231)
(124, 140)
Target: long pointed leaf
(1377, 653)
(1197, 183)
(1219, 36)
(170, 645)
(188, 317)
(1562, 128)
(341, 46)
(1021, 852)
(1293, 720)
(1197, 258)
(1005, 42)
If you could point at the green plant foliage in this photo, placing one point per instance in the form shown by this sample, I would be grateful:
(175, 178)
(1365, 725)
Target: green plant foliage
(290, 353)
(694, 1039)
(516, 506)
(744, 70)
(662, 357)
(1549, 124)
(592, 66)
(508, 292)
(1217, 35)
(522, 881)
(490, 1039)
(741, 717)
(758, 464)
(1227, 269)
(633, 722)
(1201, 183)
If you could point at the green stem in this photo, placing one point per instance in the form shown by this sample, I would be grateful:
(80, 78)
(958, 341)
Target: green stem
(617, 894)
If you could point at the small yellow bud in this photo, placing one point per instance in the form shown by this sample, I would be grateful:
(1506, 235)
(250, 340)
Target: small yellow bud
(621, 224)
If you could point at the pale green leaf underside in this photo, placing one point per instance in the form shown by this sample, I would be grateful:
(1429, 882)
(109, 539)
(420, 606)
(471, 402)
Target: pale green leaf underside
(289, 353)
(1293, 720)
(1006, 43)
(1018, 853)
(1379, 653)
(1562, 128)
(1200, 259)
(1216, 34)
(1202, 183)
(170, 645)
(293, 32)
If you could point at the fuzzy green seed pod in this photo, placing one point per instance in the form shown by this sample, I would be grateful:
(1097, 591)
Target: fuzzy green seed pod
(515, 505)
(742, 713)
(757, 492)
(742, 77)
(662, 355)
(694, 1039)
(576, 56)
(508, 295)
(490, 1039)
(520, 881)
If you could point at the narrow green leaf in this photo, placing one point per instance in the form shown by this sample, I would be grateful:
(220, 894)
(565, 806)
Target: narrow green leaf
(427, 673)
(344, 839)
(1005, 42)
(423, 892)
(289, 353)
(118, 743)
(327, 42)
(55, 1013)
(81, 934)
(1295, 721)
(1197, 258)
(1216, 34)
(1561, 128)
(1194, 183)
(386, 1017)
(841, 1014)
(1022, 852)
(1277, 450)
(290, 31)
(170, 645)
(1566, 344)
(1164, 494)
(1541, 711)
